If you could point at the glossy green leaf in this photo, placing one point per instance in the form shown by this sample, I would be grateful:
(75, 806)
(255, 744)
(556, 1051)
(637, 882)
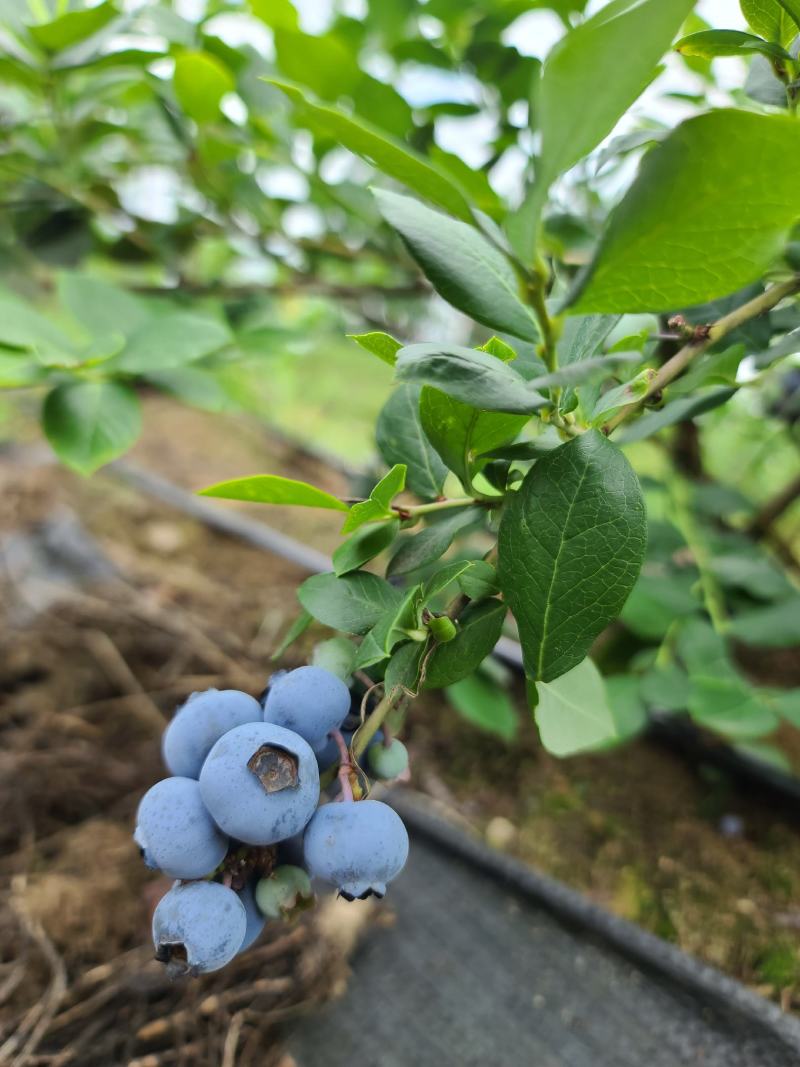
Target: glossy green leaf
(273, 489)
(378, 505)
(461, 264)
(571, 544)
(403, 669)
(170, 340)
(572, 712)
(596, 367)
(596, 71)
(673, 240)
(461, 433)
(582, 336)
(91, 423)
(483, 703)
(278, 14)
(353, 603)
(380, 344)
(478, 632)
(364, 545)
(401, 439)
(72, 27)
(479, 580)
(377, 148)
(474, 378)
(322, 63)
(776, 20)
(429, 544)
(200, 81)
(296, 630)
(711, 43)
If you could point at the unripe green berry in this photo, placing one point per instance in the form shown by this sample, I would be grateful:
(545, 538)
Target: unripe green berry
(336, 655)
(442, 628)
(388, 761)
(285, 893)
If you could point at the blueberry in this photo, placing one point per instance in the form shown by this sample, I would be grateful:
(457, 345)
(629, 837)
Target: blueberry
(175, 832)
(284, 893)
(199, 723)
(336, 655)
(356, 846)
(260, 783)
(255, 919)
(310, 700)
(387, 762)
(198, 927)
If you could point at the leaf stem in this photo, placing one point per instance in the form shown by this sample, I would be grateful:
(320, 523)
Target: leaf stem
(547, 324)
(366, 732)
(412, 510)
(703, 339)
(712, 593)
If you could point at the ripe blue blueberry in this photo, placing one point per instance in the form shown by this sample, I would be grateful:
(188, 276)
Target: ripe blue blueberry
(200, 722)
(356, 846)
(310, 700)
(260, 783)
(175, 832)
(255, 919)
(198, 927)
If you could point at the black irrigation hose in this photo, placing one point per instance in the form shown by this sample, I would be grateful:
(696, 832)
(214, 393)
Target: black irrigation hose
(675, 732)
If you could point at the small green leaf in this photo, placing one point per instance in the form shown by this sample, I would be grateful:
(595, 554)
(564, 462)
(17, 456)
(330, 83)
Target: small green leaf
(461, 264)
(429, 544)
(324, 63)
(627, 707)
(571, 544)
(674, 411)
(91, 423)
(582, 336)
(72, 27)
(273, 489)
(401, 439)
(499, 349)
(172, 339)
(380, 344)
(707, 44)
(728, 705)
(777, 626)
(482, 702)
(656, 601)
(200, 82)
(648, 258)
(572, 712)
(777, 20)
(297, 629)
(379, 150)
(479, 630)
(665, 688)
(364, 545)
(473, 377)
(404, 667)
(378, 506)
(599, 367)
(353, 603)
(479, 580)
(100, 307)
(460, 433)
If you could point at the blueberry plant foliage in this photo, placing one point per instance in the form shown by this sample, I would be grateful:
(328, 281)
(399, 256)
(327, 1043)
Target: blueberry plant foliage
(509, 500)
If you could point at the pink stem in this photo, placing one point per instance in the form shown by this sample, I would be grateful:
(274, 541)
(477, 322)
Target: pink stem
(345, 766)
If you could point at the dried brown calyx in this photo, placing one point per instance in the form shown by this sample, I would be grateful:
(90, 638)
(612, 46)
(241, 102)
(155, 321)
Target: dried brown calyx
(175, 957)
(275, 768)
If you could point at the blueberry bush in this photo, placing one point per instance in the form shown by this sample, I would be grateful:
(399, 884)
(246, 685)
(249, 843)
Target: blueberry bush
(559, 448)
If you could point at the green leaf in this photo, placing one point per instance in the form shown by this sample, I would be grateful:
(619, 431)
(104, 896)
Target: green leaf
(627, 707)
(499, 349)
(461, 264)
(429, 544)
(673, 240)
(200, 81)
(297, 629)
(777, 20)
(273, 489)
(72, 27)
(478, 632)
(22, 326)
(475, 378)
(378, 506)
(442, 579)
(401, 439)
(91, 423)
(389, 156)
(571, 544)
(100, 307)
(598, 367)
(711, 43)
(769, 754)
(582, 336)
(482, 702)
(171, 340)
(479, 580)
(727, 705)
(674, 411)
(390, 630)
(596, 71)
(353, 603)
(777, 626)
(461, 433)
(324, 64)
(666, 688)
(364, 545)
(404, 667)
(278, 14)
(380, 344)
(572, 712)
(656, 601)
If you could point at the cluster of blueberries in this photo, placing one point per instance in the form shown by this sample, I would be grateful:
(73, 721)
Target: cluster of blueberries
(239, 824)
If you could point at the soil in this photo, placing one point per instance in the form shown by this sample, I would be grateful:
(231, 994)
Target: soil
(114, 608)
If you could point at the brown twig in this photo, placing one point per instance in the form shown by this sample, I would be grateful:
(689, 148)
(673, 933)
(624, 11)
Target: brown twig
(770, 512)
